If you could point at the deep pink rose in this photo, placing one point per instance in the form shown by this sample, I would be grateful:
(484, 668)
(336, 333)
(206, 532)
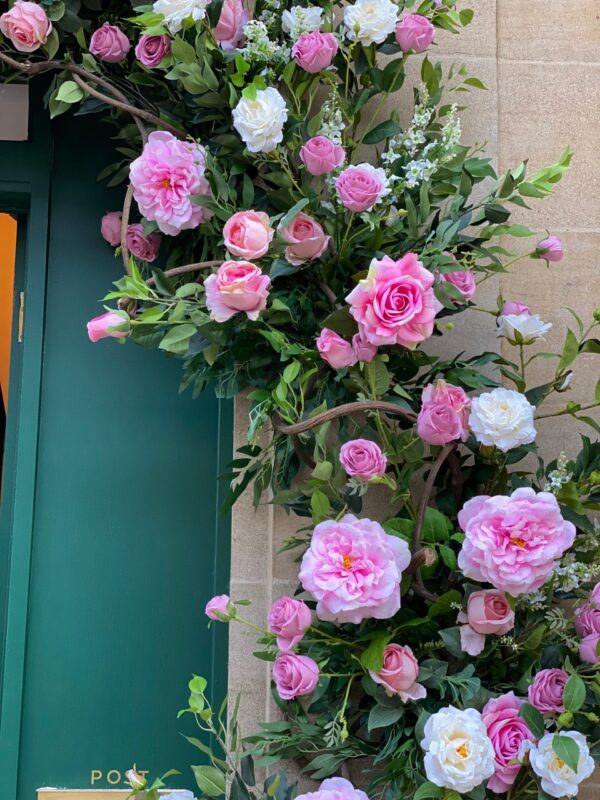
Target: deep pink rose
(288, 620)
(295, 675)
(588, 648)
(587, 616)
(507, 732)
(514, 307)
(360, 187)
(142, 246)
(236, 286)
(306, 239)
(550, 249)
(362, 458)
(247, 234)
(334, 789)
(26, 25)
(463, 280)
(150, 50)
(353, 568)
(513, 541)
(337, 352)
(165, 177)
(109, 43)
(217, 604)
(321, 156)
(100, 327)
(546, 691)
(315, 51)
(444, 414)
(395, 303)
(229, 30)
(414, 32)
(399, 673)
(110, 227)
(363, 350)
(488, 611)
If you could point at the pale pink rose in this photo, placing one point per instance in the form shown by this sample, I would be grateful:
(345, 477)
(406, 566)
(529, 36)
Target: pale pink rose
(142, 246)
(288, 620)
(513, 541)
(363, 350)
(103, 326)
(109, 43)
(334, 789)
(507, 731)
(414, 32)
(471, 642)
(550, 249)
(444, 414)
(353, 568)
(315, 51)
(306, 239)
(236, 286)
(337, 352)
(399, 673)
(514, 307)
(362, 458)
(488, 611)
(247, 234)
(546, 691)
(217, 605)
(295, 675)
(463, 280)
(321, 156)
(150, 50)
(360, 187)
(229, 30)
(587, 616)
(26, 25)
(110, 227)
(588, 648)
(395, 303)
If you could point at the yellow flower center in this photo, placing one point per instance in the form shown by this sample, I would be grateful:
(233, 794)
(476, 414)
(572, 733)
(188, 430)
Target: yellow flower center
(165, 183)
(518, 542)
(462, 750)
(560, 762)
(347, 562)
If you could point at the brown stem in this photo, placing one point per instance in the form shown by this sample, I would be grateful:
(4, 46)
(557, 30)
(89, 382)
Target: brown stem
(119, 102)
(187, 268)
(342, 411)
(422, 510)
(125, 225)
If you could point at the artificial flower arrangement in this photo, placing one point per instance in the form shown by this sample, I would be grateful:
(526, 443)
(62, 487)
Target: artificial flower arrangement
(313, 244)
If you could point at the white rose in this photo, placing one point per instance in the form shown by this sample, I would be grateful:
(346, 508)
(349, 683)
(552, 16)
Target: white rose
(522, 328)
(370, 21)
(300, 20)
(559, 780)
(503, 418)
(260, 121)
(175, 11)
(459, 754)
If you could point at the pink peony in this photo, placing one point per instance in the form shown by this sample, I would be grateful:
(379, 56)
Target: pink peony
(463, 280)
(337, 352)
(354, 568)
(513, 541)
(488, 611)
(109, 44)
(315, 51)
(236, 286)
(362, 458)
(546, 691)
(395, 303)
(105, 325)
(550, 249)
(217, 605)
(295, 675)
(587, 616)
(399, 673)
(306, 239)
(288, 620)
(414, 32)
(507, 732)
(514, 307)
(363, 350)
(444, 414)
(334, 789)
(141, 246)
(165, 177)
(229, 30)
(110, 227)
(26, 25)
(150, 50)
(321, 156)
(359, 188)
(247, 234)
(588, 648)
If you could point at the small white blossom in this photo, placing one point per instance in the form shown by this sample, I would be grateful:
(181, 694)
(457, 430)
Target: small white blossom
(175, 11)
(260, 49)
(298, 20)
(332, 123)
(502, 418)
(260, 121)
(418, 171)
(559, 780)
(370, 21)
(522, 328)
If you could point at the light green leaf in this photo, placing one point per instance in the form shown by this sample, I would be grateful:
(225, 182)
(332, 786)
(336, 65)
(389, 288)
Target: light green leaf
(210, 780)
(567, 750)
(177, 339)
(69, 92)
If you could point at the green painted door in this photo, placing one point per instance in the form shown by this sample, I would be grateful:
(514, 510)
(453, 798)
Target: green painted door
(110, 531)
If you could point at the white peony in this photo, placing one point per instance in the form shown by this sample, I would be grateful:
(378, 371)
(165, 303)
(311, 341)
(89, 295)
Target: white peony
(522, 328)
(175, 11)
(370, 21)
(300, 20)
(559, 780)
(502, 418)
(459, 754)
(260, 121)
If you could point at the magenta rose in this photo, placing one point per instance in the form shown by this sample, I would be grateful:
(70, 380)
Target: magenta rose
(546, 691)
(229, 30)
(363, 459)
(150, 50)
(587, 616)
(399, 673)
(550, 249)
(363, 350)
(463, 280)
(315, 51)
(321, 156)
(237, 286)
(295, 675)
(360, 187)
(337, 352)
(395, 303)
(353, 568)
(414, 32)
(142, 246)
(444, 414)
(288, 620)
(334, 789)
(507, 731)
(588, 648)
(107, 324)
(488, 611)
(109, 44)
(306, 239)
(248, 234)
(110, 227)
(514, 307)
(26, 25)
(218, 605)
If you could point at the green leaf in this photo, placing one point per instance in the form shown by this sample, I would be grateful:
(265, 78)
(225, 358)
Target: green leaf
(383, 717)
(182, 50)
(443, 605)
(210, 780)
(381, 132)
(69, 92)
(319, 505)
(295, 209)
(574, 694)
(323, 471)
(569, 352)
(567, 750)
(533, 719)
(177, 339)
(437, 527)
(448, 556)
(428, 791)
(372, 658)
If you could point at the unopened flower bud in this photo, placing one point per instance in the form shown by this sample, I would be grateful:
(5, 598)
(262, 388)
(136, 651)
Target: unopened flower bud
(449, 326)
(597, 314)
(566, 719)
(565, 382)
(595, 478)
(573, 407)
(591, 716)
(136, 781)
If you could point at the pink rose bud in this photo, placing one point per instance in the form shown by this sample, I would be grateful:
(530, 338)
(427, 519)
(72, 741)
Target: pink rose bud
(229, 31)
(288, 620)
(444, 415)
(507, 732)
(143, 247)
(315, 51)
(360, 187)
(218, 605)
(546, 691)
(550, 249)
(109, 44)
(363, 349)
(414, 32)
(110, 228)
(295, 675)
(150, 50)
(588, 648)
(515, 307)
(587, 616)
(306, 239)
(105, 325)
(26, 25)
(337, 352)
(247, 234)
(399, 673)
(488, 611)
(321, 156)
(237, 286)
(464, 282)
(136, 781)
(363, 459)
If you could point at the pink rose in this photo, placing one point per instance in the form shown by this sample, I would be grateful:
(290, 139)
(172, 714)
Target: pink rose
(337, 352)
(588, 648)
(335, 789)
(229, 30)
(488, 611)
(141, 246)
(513, 541)
(321, 156)
(414, 32)
(515, 307)
(362, 458)
(359, 188)
(550, 249)
(395, 303)
(546, 691)
(295, 675)
(288, 620)
(109, 44)
(399, 673)
(353, 568)
(110, 227)
(247, 234)
(507, 732)
(105, 325)
(587, 616)
(444, 414)
(471, 642)
(464, 282)
(150, 50)
(306, 239)
(217, 605)
(236, 286)
(26, 25)
(315, 51)
(363, 350)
